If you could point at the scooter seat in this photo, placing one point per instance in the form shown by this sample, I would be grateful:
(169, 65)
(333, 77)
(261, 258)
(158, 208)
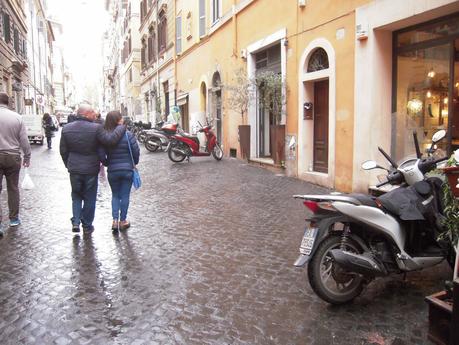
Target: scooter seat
(364, 199)
(189, 136)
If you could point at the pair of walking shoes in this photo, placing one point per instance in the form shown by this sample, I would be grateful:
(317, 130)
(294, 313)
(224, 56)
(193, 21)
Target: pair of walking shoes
(120, 225)
(86, 229)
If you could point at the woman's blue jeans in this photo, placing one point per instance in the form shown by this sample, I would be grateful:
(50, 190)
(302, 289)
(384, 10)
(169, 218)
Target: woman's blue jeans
(120, 182)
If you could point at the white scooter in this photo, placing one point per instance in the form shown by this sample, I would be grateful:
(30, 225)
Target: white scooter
(351, 239)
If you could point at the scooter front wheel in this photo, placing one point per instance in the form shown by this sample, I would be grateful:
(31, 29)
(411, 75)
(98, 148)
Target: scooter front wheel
(217, 152)
(328, 280)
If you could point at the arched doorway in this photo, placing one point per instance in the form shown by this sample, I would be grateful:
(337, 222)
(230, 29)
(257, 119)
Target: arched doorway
(316, 127)
(217, 104)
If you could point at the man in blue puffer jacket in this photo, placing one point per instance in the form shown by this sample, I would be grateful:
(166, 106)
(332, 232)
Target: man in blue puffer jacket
(81, 150)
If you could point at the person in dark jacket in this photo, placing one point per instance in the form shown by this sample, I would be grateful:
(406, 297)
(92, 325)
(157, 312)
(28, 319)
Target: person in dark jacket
(81, 150)
(48, 125)
(120, 170)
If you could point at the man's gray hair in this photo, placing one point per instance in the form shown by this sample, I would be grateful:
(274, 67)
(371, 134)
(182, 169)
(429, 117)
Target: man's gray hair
(84, 109)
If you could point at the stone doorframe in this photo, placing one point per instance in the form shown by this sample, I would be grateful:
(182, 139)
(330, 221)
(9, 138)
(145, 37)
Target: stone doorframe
(306, 127)
(279, 36)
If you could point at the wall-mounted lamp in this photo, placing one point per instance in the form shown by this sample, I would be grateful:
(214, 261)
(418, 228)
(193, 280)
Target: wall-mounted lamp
(431, 73)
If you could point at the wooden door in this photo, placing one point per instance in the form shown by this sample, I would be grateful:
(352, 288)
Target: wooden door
(320, 163)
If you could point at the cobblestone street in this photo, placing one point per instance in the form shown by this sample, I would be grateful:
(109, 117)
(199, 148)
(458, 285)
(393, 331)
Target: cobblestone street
(208, 260)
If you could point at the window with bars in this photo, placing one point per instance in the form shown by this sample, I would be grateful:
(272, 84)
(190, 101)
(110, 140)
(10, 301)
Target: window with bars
(162, 32)
(202, 18)
(178, 35)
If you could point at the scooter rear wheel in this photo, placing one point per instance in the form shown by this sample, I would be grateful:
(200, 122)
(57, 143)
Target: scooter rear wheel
(328, 280)
(174, 156)
(152, 147)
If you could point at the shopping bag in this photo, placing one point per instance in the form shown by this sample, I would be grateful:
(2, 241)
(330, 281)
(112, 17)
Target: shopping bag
(27, 182)
(136, 181)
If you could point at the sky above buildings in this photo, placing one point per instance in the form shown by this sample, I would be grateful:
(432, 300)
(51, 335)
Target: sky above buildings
(84, 22)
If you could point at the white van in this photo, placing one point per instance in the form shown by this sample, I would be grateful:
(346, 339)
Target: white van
(34, 127)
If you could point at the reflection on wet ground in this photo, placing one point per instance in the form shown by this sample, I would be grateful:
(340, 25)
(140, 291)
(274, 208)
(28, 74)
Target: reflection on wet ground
(208, 260)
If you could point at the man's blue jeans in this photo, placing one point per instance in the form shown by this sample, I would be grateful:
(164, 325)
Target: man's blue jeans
(84, 193)
(120, 182)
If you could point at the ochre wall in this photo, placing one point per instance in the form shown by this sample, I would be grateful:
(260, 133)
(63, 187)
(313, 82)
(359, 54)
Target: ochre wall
(318, 19)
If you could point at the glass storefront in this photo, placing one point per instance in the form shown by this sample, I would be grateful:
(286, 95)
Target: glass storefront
(426, 77)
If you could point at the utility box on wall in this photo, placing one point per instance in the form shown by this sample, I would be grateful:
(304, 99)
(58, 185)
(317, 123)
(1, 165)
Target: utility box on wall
(308, 111)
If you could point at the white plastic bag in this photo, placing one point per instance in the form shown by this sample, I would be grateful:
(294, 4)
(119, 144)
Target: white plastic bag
(27, 182)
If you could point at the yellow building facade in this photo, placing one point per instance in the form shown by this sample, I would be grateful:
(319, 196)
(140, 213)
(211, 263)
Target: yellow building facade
(336, 64)
(278, 36)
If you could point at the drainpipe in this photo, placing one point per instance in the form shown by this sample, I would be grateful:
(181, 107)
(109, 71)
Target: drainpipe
(234, 19)
(158, 94)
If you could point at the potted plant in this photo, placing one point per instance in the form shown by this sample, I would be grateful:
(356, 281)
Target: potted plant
(240, 96)
(271, 97)
(442, 314)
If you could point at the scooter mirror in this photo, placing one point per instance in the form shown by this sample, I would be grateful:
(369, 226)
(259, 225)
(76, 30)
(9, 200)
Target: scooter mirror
(368, 165)
(439, 135)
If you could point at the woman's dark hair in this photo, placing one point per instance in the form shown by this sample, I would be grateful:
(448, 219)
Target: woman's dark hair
(46, 117)
(112, 119)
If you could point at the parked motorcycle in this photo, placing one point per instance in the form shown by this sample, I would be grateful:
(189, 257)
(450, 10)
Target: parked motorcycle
(159, 137)
(183, 145)
(351, 239)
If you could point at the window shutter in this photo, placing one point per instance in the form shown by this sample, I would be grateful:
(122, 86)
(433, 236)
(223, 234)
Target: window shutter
(202, 18)
(178, 35)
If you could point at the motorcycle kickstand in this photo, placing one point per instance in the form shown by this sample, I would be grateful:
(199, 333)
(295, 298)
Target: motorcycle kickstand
(188, 159)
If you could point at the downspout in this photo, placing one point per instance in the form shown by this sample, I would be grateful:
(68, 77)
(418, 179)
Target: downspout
(33, 55)
(158, 95)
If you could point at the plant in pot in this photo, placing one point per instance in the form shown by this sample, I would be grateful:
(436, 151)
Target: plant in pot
(271, 90)
(442, 315)
(240, 96)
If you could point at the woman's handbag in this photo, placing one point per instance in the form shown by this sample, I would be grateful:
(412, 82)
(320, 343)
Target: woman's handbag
(136, 181)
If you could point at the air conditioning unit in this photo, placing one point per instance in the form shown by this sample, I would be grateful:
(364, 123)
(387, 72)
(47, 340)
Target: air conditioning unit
(301, 3)
(361, 31)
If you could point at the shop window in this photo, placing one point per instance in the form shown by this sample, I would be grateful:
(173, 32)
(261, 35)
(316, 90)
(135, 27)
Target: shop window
(423, 82)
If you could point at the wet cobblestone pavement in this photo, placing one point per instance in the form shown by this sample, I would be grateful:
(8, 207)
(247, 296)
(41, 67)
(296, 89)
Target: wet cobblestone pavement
(208, 260)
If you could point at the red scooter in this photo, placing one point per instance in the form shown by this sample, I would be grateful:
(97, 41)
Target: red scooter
(183, 145)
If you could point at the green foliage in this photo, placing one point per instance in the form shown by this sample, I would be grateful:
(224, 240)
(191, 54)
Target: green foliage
(270, 89)
(240, 92)
(451, 213)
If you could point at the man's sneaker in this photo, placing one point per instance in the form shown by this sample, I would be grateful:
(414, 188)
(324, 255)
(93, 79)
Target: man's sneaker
(75, 228)
(15, 222)
(87, 229)
(115, 225)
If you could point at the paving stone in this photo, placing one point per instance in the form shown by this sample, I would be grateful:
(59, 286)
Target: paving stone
(207, 260)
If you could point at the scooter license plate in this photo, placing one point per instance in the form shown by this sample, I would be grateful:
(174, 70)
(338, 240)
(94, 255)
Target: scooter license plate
(307, 243)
